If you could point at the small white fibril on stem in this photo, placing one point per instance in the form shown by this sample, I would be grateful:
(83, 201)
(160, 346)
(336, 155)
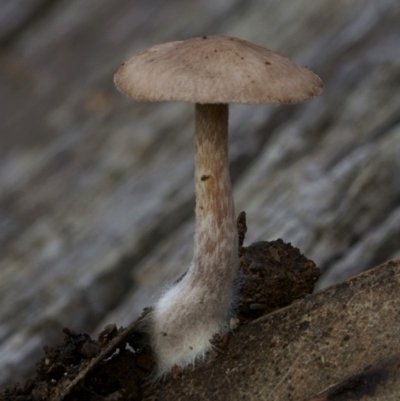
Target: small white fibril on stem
(187, 316)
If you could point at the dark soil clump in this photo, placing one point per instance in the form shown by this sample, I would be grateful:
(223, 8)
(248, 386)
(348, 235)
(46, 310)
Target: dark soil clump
(275, 274)
(111, 368)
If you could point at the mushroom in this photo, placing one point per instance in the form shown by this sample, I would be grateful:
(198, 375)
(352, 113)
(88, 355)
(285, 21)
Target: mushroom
(211, 72)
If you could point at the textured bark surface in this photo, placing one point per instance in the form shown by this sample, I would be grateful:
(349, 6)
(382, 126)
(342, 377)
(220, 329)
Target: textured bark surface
(96, 192)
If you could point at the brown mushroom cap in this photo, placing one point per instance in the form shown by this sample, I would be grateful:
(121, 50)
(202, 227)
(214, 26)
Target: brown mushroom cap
(215, 69)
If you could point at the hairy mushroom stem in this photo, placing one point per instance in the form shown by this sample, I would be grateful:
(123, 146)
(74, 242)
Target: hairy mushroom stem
(193, 310)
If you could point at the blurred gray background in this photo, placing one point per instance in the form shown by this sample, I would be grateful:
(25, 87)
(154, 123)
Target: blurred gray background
(96, 191)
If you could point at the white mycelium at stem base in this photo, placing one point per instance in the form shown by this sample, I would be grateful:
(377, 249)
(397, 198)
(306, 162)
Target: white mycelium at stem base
(187, 315)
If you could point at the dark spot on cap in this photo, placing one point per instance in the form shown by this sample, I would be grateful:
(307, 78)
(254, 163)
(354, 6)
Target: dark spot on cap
(242, 58)
(122, 64)
(267, 63)
(204, 37)
(216, 50)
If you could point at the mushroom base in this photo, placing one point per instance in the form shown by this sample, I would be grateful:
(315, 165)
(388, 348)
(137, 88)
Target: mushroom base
(182, 326)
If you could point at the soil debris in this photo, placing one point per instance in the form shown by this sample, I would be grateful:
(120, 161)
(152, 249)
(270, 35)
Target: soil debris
(275, 275)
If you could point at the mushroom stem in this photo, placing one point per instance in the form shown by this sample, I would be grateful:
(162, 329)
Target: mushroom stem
(216, 250)
(187, 316)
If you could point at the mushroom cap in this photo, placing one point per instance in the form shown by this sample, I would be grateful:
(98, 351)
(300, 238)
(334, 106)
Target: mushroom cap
(215, 69)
